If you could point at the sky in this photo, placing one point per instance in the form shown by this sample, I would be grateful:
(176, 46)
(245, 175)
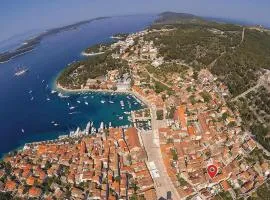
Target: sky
(17, 17)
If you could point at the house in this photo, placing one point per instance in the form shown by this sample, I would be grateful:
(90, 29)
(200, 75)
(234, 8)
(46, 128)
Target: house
(10, 185)
(180, 116)
(34, 192)
(77, 193)
(133, 141)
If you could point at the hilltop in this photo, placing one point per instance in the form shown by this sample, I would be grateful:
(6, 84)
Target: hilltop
(177, 18)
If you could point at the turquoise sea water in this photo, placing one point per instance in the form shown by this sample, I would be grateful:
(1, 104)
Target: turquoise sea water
(24, 100)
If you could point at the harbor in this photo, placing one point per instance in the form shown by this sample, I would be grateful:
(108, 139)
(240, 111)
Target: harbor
(43, 111)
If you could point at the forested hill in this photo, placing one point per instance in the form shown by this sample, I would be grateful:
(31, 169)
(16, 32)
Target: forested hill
(237, 58)
(178, 18)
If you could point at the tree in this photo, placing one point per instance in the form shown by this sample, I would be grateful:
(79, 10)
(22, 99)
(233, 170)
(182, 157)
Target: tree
(206, 96)
(159, 114)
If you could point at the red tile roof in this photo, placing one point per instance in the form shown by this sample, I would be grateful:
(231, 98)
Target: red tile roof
(225, 185)
(133, 139)
(34, 192)
(10, 185)
(181, 116)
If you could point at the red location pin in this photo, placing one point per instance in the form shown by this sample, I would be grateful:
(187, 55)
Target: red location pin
(212, 170)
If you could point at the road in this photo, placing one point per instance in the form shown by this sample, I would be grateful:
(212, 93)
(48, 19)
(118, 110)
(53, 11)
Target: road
(243, 35)
(246, 92)
(262, 80)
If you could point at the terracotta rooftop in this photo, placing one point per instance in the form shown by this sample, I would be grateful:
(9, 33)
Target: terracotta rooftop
(225, 185)
(133, 139)
(181, 116)
(34, 192)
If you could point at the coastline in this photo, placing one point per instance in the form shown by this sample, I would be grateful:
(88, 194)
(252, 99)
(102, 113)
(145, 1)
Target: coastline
(30, 44)
(91, 54)
(50, 81)
(60, 88)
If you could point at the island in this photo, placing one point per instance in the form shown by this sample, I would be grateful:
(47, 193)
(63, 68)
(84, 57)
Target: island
(31, 44)
(206, 90)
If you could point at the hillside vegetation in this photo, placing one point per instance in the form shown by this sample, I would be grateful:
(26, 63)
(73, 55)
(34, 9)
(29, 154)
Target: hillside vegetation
(216, 46)
(240, 68)
(77, 73)
(177, 18)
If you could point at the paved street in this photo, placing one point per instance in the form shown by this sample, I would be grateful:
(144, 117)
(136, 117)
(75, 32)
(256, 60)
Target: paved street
(157, 168)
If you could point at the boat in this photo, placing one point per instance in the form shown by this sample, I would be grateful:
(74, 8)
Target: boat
(102, 101)
(85, 97)
(21, 71)
(87, 129)
(93, 130)
(30, 91)
(22, 130)
(53, 91)
(122, 103)
(121, 117)
(129, 104)
(77, 131)
(48, 99)
(111, 102)
(72, 113)
(101, 127)
(86, 103)
(43, 81)
(55, 124)
(62, 96)
(32, 98)
(52, 122)
(78, 102)
(71, 108)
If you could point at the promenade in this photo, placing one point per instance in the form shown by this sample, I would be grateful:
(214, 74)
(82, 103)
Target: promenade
(163, 184)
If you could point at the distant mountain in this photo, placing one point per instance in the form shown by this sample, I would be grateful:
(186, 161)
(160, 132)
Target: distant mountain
(178, 18)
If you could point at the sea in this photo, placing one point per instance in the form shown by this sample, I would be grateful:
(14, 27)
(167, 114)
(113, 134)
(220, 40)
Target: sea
(30, 112)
